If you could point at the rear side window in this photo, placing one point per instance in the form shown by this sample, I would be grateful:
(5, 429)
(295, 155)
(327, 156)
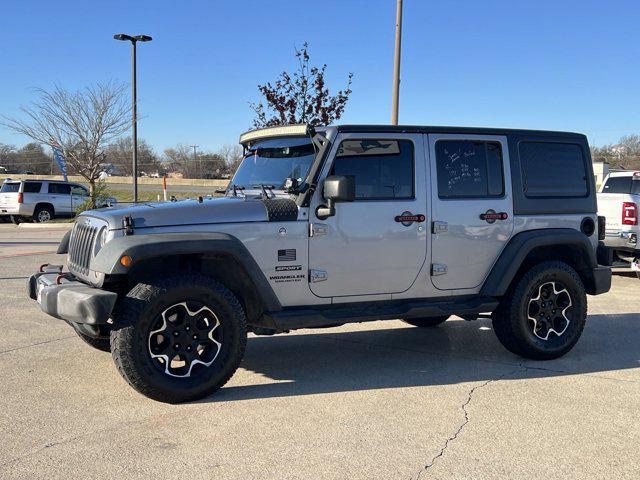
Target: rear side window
(10, 187)
(553, 169)
(618, 185)
(60, 188)
(469, 169)
(32, 187)
(383, 169)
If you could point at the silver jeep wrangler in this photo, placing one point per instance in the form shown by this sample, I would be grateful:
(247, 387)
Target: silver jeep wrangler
(321, 226)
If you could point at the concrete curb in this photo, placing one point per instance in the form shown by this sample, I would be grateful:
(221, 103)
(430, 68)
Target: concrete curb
(49, 226)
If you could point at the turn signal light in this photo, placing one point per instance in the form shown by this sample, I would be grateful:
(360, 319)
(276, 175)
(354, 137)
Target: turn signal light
(629, 213)
(126, 261)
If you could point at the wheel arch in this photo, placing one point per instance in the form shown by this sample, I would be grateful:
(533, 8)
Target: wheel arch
(220, 256)
(44, 205)
(529, 248)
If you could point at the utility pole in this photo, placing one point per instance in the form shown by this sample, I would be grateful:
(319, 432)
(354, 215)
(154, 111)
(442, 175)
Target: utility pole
(195, 158)
(395, 97)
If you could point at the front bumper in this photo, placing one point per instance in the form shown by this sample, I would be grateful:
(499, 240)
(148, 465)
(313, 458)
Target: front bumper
(63, 297)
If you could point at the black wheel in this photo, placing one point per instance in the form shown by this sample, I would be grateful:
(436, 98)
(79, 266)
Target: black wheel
(16, 219)
(426, 322)
(42, 213)
(102, 344)
(542, 316)
(179, 339)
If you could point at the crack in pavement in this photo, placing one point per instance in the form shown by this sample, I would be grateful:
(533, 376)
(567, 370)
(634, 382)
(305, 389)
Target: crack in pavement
(36, 344)
(466, 419)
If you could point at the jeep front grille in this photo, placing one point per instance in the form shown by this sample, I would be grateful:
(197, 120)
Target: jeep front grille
(80, 247)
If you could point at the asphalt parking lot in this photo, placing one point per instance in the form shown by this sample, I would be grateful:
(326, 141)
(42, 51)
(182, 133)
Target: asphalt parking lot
(377, 400)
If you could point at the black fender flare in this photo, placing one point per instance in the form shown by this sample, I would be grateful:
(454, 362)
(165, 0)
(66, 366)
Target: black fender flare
(522, 244)
(144, 247)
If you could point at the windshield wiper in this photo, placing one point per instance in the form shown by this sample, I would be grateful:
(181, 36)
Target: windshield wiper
(235, 188)
(264, 189)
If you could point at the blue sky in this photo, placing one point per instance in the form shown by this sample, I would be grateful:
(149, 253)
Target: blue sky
(563, 64)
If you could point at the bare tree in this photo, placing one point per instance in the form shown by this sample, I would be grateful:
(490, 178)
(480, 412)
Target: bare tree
(119, 152)
(232, 155)
(81, 122)
(301, 97)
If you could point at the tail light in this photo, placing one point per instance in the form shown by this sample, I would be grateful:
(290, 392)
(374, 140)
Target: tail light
(20, 197)
(629, 213)
(602, 227)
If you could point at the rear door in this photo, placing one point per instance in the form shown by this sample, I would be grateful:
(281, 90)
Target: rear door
(60, 197)
(472, 207)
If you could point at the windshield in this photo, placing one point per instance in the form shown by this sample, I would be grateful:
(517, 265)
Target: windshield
(271, 162)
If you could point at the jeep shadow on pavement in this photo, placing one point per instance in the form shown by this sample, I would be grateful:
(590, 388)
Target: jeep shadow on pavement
(322, 226)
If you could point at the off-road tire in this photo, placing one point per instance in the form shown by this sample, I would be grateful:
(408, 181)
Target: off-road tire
(42, 209)
(134, 318)
(102, 344)
(427, 322)
(510, 319)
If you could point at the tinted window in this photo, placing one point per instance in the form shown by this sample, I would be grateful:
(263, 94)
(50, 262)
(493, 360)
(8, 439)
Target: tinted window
(635, 187)
(617, 185)
(469, 168)
(383, 169)
(10, 187)
(32, 187)
(553, 170)
(59, 188)
(78, 190)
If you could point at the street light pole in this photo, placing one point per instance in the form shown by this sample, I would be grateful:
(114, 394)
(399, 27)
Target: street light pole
(134, 100)
(395, 96)
(134, 121)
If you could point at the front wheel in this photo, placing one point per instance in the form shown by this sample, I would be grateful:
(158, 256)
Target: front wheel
(179, 339)
(543, 315)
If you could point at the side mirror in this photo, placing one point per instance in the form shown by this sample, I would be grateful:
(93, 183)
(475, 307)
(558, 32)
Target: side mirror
(336, 188)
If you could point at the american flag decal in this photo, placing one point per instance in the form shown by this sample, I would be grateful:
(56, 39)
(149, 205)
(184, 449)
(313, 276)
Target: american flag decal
(288, 255)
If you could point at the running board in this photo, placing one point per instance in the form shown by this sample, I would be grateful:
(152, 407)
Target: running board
(293, 318)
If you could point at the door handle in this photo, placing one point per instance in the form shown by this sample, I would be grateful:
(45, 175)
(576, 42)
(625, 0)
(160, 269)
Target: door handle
(490, 216)
(407, 218)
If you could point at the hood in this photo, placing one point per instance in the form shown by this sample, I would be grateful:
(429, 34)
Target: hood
(193, 212)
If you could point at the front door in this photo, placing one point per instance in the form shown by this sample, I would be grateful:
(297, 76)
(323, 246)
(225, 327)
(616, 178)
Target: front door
(368, 246)
(472, 207)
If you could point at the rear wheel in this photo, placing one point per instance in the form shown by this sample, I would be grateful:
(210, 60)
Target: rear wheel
(544, 313)
(16, 219)
(426, 322)
(179, 339)
(42, 213)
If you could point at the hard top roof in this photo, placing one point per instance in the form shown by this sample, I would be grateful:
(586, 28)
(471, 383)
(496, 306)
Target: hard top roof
(303, 130)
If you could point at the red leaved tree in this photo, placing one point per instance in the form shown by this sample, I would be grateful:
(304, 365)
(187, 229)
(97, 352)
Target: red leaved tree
(301, 97)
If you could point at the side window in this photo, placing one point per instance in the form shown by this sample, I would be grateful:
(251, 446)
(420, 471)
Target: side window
(383, 169)
(553, 170)
(469, 169)
(59, 188)
(32, 187)
(78, 190)
(617, 185)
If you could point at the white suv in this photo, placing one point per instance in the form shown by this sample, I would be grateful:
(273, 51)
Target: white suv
(40, 200)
